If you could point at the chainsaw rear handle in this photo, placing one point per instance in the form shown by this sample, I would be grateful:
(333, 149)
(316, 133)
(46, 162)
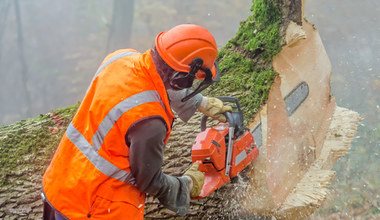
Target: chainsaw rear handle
(230, 99)
(229, 115)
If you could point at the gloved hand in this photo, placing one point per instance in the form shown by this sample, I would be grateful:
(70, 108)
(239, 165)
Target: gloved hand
(214, 108)
(197, 178)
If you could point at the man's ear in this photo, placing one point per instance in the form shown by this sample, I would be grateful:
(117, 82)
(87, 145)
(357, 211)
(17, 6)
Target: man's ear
(162, 68)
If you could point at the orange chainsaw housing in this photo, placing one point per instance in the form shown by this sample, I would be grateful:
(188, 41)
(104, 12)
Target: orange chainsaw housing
(210, 151)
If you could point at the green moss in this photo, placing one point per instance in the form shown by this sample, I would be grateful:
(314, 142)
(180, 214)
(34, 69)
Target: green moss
(242, 79)
(246, 60)
(30, 143)
(259, 34)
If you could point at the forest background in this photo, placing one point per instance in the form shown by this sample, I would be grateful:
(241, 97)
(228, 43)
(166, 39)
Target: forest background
(49, 51)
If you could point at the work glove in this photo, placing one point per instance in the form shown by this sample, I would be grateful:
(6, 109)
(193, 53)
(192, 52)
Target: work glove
(214, 108)
(197, 177)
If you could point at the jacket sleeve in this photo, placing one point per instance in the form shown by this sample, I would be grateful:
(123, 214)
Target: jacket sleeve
(186, 109)
(146, 142)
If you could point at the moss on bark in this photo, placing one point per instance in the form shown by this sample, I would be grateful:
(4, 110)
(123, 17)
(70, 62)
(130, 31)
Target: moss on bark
(31, 143)
(246, 60)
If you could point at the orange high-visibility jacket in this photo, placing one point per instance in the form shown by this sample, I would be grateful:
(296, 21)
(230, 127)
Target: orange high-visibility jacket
(89, 175)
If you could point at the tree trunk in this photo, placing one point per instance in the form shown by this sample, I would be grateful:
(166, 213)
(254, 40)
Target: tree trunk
(24, 66)
(277, 66)
(4, 8)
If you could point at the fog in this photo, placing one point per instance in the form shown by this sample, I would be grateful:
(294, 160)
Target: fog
(49, 51)
(62, 44)
(350, 32)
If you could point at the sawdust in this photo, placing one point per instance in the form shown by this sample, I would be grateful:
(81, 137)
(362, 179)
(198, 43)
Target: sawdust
(294, 33)
(312, 190)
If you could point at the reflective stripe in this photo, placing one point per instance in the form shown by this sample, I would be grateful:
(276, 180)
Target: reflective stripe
(110, 60)
(91, 152)
(117, 111)
(103, 165)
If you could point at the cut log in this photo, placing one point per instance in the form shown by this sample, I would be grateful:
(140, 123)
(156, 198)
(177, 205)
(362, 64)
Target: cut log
(277, 66)
(303, 133)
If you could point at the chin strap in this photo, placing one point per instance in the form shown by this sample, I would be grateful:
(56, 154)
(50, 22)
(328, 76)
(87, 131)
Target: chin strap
(206, 82)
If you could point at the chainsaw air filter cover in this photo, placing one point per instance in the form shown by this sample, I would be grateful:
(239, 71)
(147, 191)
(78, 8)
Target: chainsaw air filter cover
(210, 148)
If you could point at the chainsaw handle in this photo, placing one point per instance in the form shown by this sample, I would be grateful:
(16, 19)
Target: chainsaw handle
(230, 99)
(228, 115)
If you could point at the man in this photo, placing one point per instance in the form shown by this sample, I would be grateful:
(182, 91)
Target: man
(112, 152)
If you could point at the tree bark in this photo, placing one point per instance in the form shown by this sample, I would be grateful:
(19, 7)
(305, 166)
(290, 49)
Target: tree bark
(298, 128)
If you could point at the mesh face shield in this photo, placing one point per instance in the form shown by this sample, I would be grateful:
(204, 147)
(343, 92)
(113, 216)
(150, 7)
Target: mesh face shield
(182, 80)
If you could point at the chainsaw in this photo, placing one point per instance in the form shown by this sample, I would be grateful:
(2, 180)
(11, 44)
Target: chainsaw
(224, 150)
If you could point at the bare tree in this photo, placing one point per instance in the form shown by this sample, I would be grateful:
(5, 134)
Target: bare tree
(121, 27)
(24, 67)
(4, 8)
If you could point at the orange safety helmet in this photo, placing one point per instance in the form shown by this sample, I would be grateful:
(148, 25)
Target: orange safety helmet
(179, 46)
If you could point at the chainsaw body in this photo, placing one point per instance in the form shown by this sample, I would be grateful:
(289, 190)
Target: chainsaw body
(223, 150)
